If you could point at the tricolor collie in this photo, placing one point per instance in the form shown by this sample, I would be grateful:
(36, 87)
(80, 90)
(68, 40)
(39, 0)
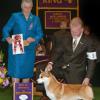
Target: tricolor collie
(59, 91)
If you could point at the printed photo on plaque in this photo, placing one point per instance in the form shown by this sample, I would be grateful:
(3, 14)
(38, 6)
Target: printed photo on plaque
(17, 44)
(23, 91)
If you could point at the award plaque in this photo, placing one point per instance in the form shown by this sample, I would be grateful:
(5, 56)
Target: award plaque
(23, 91)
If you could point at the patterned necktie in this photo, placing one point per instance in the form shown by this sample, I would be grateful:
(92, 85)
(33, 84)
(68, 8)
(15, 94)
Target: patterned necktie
(74, 44)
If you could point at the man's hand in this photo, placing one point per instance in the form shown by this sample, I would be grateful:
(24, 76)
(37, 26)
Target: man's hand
(30, 40)
(86, 81)
(9, 40)
(49, 67)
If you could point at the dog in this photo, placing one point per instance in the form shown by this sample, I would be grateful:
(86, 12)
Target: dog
(59, 91)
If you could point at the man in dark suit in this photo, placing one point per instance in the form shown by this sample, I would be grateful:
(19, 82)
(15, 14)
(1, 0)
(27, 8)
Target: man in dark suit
(74, 58)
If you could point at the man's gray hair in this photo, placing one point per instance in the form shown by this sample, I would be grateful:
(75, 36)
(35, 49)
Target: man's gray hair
(76, 21)
(26, 1)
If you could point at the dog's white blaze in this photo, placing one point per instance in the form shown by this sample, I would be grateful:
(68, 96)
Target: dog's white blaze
(44, 80)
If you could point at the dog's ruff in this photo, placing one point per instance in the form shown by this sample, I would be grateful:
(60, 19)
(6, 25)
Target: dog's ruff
(59, 91)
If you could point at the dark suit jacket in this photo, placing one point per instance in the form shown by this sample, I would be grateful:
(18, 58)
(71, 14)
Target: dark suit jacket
(57, 41)
(79, 65)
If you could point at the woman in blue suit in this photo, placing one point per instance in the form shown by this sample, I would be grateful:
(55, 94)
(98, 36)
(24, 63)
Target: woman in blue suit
(20, 66)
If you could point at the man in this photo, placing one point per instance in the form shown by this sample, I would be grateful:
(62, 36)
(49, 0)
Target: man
(77, 53)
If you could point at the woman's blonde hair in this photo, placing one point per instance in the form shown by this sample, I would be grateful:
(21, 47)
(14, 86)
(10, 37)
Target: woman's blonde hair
(26, 1)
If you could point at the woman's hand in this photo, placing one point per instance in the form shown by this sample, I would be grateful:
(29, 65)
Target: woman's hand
(9, 40)
(25, 43)
(30, 40)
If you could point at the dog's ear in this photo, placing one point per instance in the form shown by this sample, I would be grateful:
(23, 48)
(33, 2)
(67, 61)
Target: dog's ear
(41, 71)
(48, 73)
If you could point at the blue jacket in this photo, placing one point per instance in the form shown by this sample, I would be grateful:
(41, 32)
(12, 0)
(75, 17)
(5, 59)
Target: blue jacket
(17, 24)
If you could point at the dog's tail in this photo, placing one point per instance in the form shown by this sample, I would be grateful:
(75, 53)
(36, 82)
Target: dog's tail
(89, 92)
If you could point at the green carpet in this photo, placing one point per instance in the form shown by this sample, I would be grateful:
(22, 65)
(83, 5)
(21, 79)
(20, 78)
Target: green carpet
(96, 93)
(6, 94)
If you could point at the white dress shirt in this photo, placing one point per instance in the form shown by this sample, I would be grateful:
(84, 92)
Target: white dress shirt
(77, 39)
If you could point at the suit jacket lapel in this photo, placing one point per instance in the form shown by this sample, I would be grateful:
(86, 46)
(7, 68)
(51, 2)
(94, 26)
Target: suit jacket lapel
(70, 46)
(80, 45)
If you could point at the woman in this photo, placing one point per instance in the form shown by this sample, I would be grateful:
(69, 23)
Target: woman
(20, 66)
